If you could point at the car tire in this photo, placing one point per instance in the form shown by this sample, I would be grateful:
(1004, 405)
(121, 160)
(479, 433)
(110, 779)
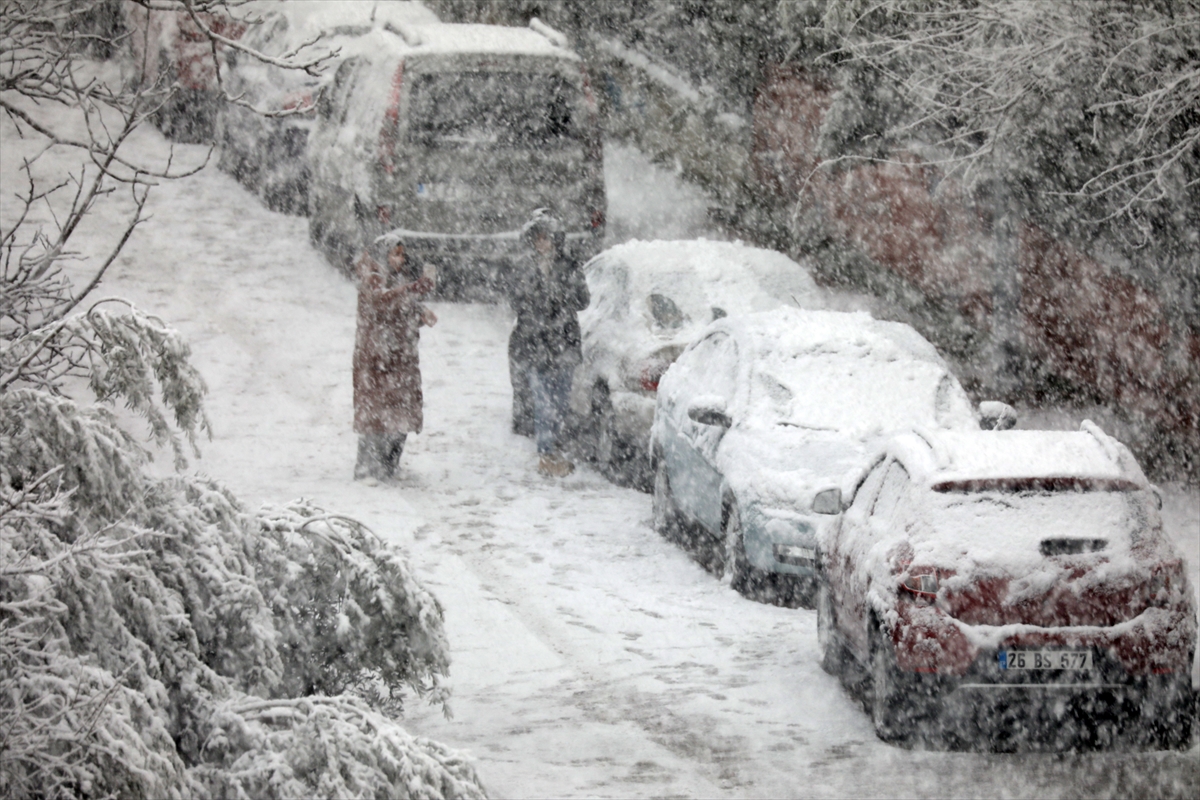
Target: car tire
(666, 517)
(889, 704)
(316, 229)
(608, 451)
(829, 644)
(1174, 705)
(286, 197)
(738, 572)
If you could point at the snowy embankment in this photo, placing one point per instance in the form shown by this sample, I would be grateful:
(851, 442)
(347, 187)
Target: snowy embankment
(591, 658)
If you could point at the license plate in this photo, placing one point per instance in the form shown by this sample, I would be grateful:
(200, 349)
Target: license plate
(793, 554)
(1045, 659)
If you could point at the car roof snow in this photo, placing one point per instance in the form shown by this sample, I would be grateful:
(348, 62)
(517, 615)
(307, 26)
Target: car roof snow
(455, 38)
(795, 331)
(936, 457)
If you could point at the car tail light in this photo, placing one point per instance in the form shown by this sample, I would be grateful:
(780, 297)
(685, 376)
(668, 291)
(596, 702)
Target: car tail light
(384, 213)
(651, 373)
(391, 124)
(597, 219)
(1165, 582)
(651, 369)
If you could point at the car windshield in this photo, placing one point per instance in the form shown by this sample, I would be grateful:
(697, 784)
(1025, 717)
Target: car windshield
(492, 108)
(861, 395)
(680, 296)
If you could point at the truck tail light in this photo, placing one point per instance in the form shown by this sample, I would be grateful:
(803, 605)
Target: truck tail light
(301, 100)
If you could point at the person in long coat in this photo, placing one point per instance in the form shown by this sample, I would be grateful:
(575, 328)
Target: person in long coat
(546, 294)
(387, 369)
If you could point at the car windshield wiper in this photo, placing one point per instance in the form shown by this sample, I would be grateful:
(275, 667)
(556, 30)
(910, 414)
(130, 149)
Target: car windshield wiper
(790, 424)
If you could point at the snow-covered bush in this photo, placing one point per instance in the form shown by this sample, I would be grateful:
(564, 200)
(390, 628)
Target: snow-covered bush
(325, 747)
(157, 639)
(344, 604)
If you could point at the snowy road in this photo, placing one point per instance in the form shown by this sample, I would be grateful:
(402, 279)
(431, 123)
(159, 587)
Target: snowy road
(590, 657)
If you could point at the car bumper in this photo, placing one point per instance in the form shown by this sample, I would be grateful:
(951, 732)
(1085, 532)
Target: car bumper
(1159, 641)
(1105, 710)
(779, 541)
(634, 415)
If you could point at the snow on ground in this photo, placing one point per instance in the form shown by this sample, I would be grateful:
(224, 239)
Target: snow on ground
(591, 658)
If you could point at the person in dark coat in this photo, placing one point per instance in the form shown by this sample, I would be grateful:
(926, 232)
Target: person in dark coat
(546, 293)
(387, 371)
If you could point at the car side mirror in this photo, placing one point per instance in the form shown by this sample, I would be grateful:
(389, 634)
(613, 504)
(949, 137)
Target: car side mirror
(709, 410)
(828, 501)
(997, 416)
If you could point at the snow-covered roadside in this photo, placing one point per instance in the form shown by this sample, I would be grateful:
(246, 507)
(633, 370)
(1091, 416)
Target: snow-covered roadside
(591, 658)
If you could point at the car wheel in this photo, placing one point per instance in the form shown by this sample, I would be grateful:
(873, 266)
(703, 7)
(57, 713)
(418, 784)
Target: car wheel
(666, 517)
(738, 572)
(316, 229)
(829, 646)
(1170, 715)
(607, 448)
(286, 197)
(890, 708)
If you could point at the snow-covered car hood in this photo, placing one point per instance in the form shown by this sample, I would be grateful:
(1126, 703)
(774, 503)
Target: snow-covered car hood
(782, 466)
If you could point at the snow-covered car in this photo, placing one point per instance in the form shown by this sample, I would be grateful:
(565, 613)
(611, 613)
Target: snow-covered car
(167, 49)
(1016, 583)
(649, 301)
(759, 420)
(450, 135)
(268, 154)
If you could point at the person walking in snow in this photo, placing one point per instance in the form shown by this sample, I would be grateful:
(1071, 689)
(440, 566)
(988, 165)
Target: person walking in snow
(546, 294)
(387, 372)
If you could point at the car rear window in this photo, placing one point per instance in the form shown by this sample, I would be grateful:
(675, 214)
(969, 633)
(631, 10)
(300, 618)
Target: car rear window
(455, 109)
(1042, 484)
(997, 519)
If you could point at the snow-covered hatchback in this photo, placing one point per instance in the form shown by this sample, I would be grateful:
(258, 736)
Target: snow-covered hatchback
(758, 421)
(1012, 588)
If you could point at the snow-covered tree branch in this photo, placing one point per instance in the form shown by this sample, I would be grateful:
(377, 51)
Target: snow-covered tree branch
(1086, 109)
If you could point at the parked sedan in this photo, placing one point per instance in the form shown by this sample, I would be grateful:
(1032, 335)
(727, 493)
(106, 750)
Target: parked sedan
(1015, 583)
(649, 301)
(758, 421)
(265, 153)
